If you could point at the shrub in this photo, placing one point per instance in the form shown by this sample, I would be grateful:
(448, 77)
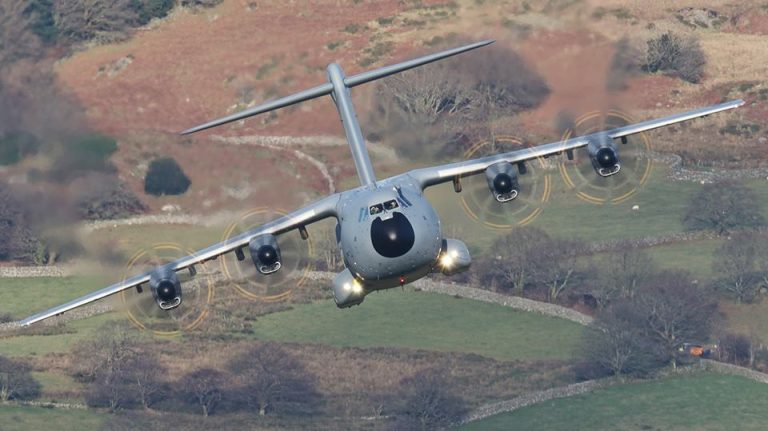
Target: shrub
(675, 56)
(165, 177)
(16, 382)
(105, 198)
(82, 154)
(15, 146)
(148, 9)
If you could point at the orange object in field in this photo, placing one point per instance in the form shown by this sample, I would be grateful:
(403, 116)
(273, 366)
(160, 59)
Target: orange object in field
(696, 351)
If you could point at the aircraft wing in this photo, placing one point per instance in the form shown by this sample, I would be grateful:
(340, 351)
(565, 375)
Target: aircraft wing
(316, 211)
(440, 174)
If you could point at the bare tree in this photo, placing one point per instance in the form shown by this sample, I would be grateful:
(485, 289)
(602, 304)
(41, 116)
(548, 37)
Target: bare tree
(426, 111)
(628, 268)
(104, 364)
(512, 259)
(145, 373)
(270, 379)
(723, 207)
(736, 263)
(675, 311)
(618, 344)
(16, 382)
(427, 402)
(556, 266)
(204, 388)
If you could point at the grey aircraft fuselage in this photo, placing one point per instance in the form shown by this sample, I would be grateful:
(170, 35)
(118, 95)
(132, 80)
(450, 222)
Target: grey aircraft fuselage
(388, 233)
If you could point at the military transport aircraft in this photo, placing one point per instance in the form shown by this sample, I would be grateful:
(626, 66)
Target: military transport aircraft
(387, 232)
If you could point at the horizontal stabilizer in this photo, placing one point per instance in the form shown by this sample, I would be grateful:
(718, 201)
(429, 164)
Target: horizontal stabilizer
(362, 78)
(320, 90)
(327, 88)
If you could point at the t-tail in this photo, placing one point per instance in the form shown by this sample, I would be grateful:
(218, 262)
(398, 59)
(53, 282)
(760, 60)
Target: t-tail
(338, 86)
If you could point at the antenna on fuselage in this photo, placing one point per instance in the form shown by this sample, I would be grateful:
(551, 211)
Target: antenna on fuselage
(338, 86)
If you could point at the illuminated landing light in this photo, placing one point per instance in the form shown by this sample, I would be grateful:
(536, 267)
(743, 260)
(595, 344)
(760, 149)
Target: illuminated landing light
(448, 259)
(355, 287)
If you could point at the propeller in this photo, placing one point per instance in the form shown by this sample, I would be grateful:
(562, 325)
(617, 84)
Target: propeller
(140, 306)
(479, 202)
(296, 261)
(579, 174)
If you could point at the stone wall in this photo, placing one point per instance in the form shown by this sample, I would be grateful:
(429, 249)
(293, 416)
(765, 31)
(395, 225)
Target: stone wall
(538, 397)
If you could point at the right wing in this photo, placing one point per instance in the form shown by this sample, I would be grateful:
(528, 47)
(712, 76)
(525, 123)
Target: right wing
(444, 173)
(316, 211)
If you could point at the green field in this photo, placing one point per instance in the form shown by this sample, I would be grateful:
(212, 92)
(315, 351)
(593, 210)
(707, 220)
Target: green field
(74, 331)
(699, 402)
(21, 297)
(418, 320)
(18, 418)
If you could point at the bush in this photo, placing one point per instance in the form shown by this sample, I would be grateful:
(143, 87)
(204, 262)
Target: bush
(102, 197)
(736, 349)
(17, 238)
(148, 9)
(16, 382)
(15, 146)
(165, 177)
(675, 56)
(83, 154)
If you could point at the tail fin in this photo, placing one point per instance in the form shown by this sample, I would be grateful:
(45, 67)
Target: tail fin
(327, 88)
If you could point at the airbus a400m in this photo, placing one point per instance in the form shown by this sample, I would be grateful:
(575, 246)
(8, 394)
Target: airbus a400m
(388, 233)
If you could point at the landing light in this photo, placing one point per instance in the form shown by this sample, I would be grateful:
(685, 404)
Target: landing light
(447, 260)
(354, 286)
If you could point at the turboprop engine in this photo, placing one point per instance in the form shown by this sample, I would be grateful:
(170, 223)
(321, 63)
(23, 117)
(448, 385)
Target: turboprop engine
(604, 156)
(502, 181)
(166, 288)
(265, 254)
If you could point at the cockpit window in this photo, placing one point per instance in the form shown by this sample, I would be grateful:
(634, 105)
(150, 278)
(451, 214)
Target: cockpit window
(390, 205)
(376, 209)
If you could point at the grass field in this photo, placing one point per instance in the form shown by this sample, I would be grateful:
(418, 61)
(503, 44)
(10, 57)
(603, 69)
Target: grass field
(699, 402)
(75, 331)
(417, 320)
(17, 418)
(21, 297)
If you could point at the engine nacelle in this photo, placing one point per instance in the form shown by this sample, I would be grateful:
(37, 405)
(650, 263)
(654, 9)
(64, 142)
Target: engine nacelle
(502, 181)
(265, 254)
(347, 290)
(166, 288)
(454, 257)
(604, 156)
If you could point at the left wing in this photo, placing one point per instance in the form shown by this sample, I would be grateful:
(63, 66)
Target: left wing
(440, 174)
(316, 211)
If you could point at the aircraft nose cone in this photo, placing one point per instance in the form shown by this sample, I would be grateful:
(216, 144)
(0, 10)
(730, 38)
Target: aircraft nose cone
(393, 237)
